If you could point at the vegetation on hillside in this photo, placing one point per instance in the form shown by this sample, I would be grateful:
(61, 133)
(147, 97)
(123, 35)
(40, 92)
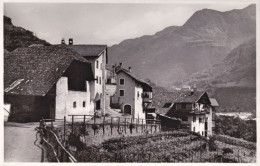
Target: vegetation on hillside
(15, 37)
(236, 127)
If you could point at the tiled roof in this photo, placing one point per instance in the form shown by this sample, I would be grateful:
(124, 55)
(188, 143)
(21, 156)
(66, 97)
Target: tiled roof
(88, 50)
(136, 78)
(187, 97)
(34, 70)
(161, 98)
(214, 102)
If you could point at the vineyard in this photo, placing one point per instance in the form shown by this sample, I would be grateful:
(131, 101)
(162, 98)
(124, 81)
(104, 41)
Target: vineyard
(176, 146)
(124, 141)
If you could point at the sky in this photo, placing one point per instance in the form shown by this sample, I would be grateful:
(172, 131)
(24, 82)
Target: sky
(103, 23)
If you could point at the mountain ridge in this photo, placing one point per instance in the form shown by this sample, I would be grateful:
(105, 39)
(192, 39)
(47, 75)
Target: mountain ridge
(186, 49)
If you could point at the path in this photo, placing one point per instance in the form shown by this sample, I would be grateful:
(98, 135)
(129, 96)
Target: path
(19, 143)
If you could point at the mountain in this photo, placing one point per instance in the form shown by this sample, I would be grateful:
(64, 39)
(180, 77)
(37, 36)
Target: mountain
(175, 53)
(233, 81)
(15, 37)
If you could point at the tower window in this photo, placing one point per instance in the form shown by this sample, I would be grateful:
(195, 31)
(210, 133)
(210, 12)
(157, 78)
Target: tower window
(74, 104)
(84, 104)
(97, 64)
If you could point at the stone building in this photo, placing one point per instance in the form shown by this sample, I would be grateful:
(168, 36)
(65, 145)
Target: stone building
(47, 82)
(97, 56)
(133, 95)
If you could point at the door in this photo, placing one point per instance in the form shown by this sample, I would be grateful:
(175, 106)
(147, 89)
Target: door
(127, 109)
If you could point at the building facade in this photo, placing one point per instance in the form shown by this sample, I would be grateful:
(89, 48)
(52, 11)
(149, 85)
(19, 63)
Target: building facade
(97, 56)
(46, 82)
(133, 95)
(195, 110)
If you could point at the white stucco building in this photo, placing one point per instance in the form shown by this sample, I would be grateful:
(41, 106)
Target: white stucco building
(132, 94)
(97, 56)
(53, 82)
(196, 110)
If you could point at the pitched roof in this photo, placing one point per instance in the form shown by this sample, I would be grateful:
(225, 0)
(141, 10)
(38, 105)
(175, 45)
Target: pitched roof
(88, 50)
(34, 70)
(187, 97)
(214, 102)
(161, 98)
(136, 78)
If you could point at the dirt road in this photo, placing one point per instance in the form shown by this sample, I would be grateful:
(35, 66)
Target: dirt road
(19, 143)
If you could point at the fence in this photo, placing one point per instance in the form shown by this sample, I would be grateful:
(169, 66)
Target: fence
(54, 145)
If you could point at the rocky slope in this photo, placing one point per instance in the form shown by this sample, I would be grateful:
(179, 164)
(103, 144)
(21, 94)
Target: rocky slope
(15, 37)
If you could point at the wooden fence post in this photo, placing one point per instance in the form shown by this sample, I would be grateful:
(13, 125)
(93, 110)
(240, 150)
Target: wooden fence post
(51, 124)
(118, 124)
(104, 125)
(64, 139)
(125, 125)
(111, 125)
(94, 124)
(142, 125)
(84, 122)
(72, 123)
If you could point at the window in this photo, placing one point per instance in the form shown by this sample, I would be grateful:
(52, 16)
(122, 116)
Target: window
(122, 81)
(100, 80)
(200, 120)
(84, 104)
(202, 133)
(194, 118)
(138, 94)
(97, 64)
(74, 104)
(122, 92)
(96, 79)
(194, 129)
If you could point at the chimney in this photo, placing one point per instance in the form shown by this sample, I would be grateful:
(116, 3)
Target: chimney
(129, 69)
(192, 91)
(70, 41)
(62, 41)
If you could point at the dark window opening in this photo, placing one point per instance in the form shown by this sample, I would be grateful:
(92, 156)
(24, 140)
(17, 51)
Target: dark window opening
(98, 105)
(74, 104)
(138, 94)
(96, 79)
(194, 129)
(84, 104)
(100, 80)
(122, 82)
(194, 118)
(122, 92)
(97, 64)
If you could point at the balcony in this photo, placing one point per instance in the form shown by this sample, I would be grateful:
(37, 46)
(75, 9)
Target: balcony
(147, 97)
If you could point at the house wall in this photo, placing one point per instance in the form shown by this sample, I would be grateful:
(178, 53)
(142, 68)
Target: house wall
(65, 99)
(129, 88)
(209, 116)
(138, 111)
(99, 72)
(199, 127)
(29, 108)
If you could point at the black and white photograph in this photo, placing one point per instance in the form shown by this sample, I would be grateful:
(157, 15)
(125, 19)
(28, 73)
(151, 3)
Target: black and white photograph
(130, 82)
